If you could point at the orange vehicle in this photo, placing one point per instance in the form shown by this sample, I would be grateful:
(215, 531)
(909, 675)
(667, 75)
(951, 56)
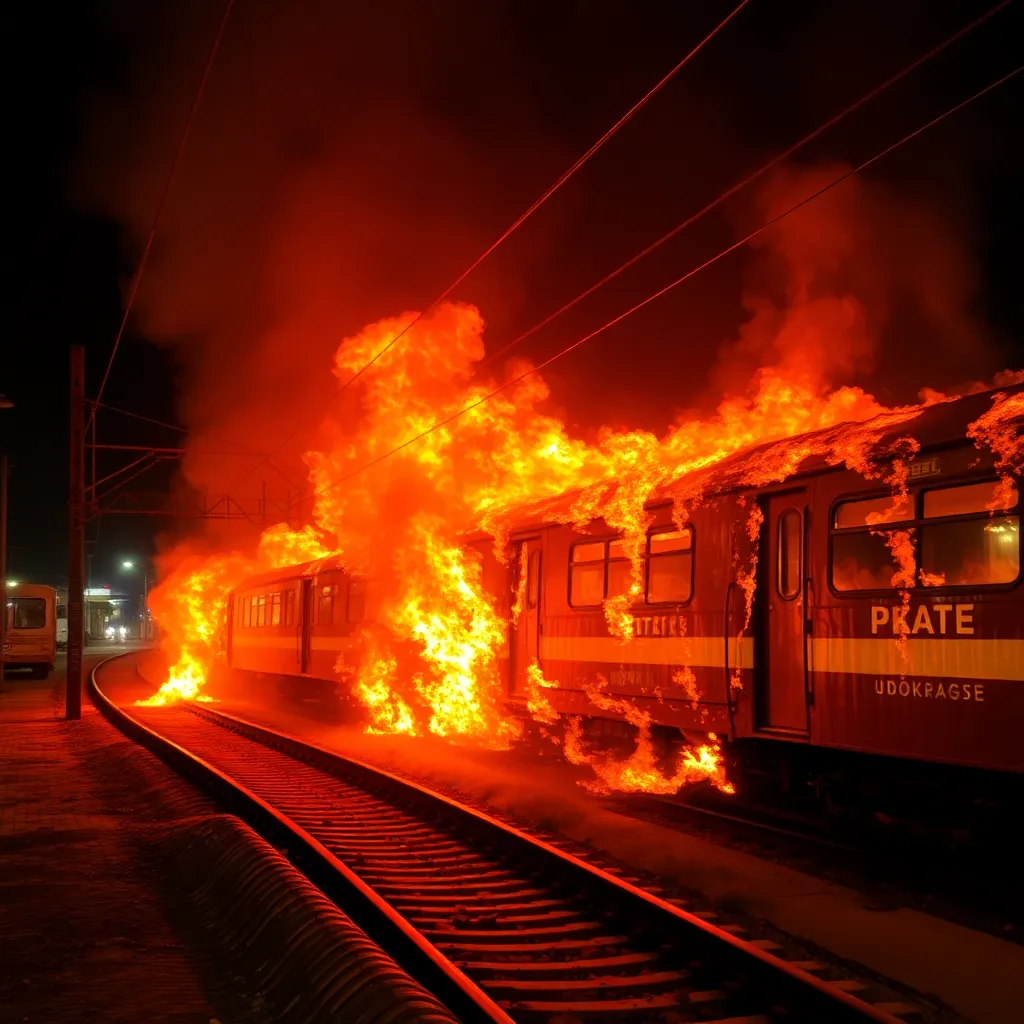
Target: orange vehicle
(31, 637)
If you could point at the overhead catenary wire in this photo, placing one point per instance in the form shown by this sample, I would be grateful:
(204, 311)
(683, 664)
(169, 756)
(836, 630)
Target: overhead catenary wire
(551, 190)
(750, 178)
(528, 212)
(145, 419)
(141, 268)
(674, 284)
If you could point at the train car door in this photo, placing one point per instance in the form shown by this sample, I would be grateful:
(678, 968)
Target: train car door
(526, 628)
(783, 702)
(304, 633)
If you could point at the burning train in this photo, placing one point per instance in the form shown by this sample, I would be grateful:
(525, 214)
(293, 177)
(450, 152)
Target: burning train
(801, 606)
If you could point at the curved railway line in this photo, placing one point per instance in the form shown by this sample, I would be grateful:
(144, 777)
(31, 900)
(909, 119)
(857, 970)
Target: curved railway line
(499, 924)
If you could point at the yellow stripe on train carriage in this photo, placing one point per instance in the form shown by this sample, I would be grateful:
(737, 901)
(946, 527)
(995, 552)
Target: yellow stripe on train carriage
(697, 651)
(969, 658)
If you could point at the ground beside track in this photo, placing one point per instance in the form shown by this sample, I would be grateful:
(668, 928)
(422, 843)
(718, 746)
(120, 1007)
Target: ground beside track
(126, 895)
(978, 975)
(85, 932)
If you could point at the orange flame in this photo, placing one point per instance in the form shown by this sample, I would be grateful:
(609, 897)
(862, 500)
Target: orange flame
(1001, 429)
(537, 702)
(640, 773)
(190, 606)
(402, 522)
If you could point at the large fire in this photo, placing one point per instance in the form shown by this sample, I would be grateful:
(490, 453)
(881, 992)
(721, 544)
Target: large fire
(403, 521)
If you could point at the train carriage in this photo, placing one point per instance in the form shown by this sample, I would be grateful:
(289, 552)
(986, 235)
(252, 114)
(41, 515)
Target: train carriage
(817, 648)
(834, 653)
(301, 623)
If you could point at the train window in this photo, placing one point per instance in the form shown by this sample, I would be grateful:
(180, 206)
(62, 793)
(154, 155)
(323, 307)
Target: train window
(971, 552)
(261, 618)
(586, 575)
(871, 511)
(620, 571)
(790, 542)
(588, 552)
(670, 566)
(958, 501)
(356, 601)
(533, 580)
(356, 611)
(326, 612)
(289, 607)
(275, 609)
(863, 560)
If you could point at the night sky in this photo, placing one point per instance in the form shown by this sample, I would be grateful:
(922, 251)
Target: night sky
(347, 163)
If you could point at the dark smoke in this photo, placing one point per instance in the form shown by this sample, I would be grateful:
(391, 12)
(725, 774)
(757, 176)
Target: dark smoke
(869, 284)
(349, 159)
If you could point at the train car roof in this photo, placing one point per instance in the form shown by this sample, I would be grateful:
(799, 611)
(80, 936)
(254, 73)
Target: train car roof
(876, 440)
(332, 563)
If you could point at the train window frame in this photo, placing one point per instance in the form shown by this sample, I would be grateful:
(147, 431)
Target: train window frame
(325, 595)
(648, 556)
(602, 561)
(533, 579)
(261, 610)
(349, 620)
(780, 574)
(276, 602)
(915, 525)
(607, 559)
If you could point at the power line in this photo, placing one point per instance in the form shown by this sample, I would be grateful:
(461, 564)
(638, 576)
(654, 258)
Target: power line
(530, 210)
(552, 189)
(137, 278)
(139, 416)
(691, 273)
(743, 183)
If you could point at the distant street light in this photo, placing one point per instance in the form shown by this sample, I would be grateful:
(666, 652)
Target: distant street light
(129, 564)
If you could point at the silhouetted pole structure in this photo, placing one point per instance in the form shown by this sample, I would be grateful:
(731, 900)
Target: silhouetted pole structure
(76, 536)
(3, 563)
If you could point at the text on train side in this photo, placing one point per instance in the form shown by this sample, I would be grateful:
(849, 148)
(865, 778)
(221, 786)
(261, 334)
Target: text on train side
(936, 619)
(929, 690)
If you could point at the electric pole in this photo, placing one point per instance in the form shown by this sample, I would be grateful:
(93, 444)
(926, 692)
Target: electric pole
(76, 536)
(3, 565)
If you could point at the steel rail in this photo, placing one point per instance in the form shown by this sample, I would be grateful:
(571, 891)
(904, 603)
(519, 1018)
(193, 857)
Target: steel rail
(385, 926)
(774, 979)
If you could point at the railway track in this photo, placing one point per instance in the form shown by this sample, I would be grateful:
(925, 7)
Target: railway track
(499, 924)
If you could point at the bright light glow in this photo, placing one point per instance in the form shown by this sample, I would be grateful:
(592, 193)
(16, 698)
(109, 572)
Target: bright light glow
(12, 583)
(128, 565)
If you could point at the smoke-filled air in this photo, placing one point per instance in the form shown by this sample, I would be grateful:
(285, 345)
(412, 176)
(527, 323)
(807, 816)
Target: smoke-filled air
(285, 263)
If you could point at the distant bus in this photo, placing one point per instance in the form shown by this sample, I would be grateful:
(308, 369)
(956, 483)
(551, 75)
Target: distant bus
(31, 638)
